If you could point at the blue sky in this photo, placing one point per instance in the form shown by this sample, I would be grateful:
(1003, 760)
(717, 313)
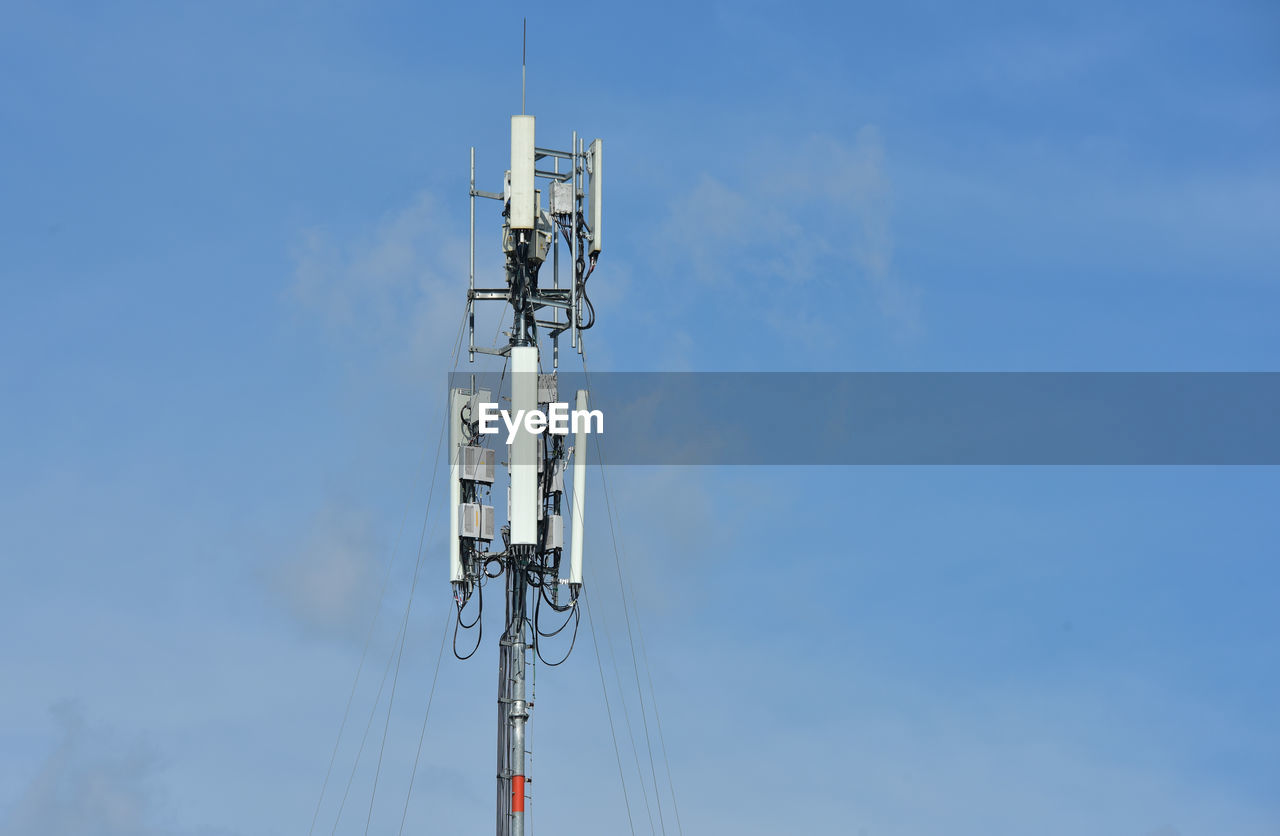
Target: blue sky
(233, 263)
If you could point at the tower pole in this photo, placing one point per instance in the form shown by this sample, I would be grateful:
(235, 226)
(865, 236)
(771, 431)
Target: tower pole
(513, 709)
(533, 562)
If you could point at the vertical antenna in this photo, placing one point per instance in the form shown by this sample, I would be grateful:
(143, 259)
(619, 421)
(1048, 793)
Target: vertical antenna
(524, 57)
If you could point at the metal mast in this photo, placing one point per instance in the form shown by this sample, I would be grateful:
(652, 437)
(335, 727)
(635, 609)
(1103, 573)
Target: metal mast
(537, 579)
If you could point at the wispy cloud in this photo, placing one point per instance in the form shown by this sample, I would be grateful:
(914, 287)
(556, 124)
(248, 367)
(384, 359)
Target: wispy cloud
(331, 583)
(814, 215)
(92, 784)
(395, 287)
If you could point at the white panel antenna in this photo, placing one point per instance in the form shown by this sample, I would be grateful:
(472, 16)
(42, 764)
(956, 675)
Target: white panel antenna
(579, 501)
(523, 451)
(466, 472)
(523, 197)
(597, 194)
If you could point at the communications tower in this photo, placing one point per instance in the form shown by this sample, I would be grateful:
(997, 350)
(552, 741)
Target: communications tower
(551, 200)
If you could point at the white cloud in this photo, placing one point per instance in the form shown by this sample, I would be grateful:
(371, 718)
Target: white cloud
(401, 288)
(812, 215)
(92, 784)
(332, 583)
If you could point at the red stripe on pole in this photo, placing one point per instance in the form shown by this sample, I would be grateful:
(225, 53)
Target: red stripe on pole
(517, 793)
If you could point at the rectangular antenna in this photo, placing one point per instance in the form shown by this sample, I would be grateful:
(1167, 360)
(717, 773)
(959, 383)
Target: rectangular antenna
(579, 500)
(596, 210)
(523, 450)
(457, 397)
(523, 208)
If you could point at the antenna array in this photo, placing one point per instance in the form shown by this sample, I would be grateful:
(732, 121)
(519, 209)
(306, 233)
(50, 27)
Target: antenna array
(550, 198)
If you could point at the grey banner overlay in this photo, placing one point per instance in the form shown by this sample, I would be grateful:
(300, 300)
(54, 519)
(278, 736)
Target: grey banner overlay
(950, 418)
